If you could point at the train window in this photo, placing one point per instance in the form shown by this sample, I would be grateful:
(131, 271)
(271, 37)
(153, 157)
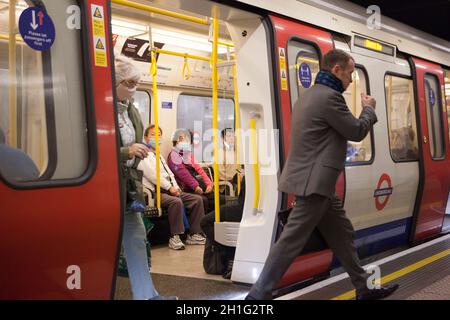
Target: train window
(402, 124)
(434, 116)
(358, 152)
(303, 66)
(195, 113)
(43, 108)
(142, 103)
(447, 95)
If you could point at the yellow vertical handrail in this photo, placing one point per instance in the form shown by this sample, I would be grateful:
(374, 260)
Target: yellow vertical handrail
(236, 127)
(12, 75)
(390, 105)
(154, 70)
(354, 94)
(215, 85)
(255, 159)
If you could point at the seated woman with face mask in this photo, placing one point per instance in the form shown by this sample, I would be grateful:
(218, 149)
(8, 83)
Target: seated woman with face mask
(172, 197)
(189, 174)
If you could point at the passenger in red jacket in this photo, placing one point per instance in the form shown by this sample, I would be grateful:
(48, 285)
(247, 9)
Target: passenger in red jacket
(189, 174)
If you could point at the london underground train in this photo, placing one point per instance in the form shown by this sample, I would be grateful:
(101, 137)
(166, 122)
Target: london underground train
(61, 231)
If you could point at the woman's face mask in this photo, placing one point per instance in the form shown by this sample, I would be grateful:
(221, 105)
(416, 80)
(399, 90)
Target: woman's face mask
(184, 146)
(124, 92)
(152, 142)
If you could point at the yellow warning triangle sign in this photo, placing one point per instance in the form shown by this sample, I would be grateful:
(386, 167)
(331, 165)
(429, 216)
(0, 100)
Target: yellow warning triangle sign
(283, 74)
(100, 45)
(98, 14)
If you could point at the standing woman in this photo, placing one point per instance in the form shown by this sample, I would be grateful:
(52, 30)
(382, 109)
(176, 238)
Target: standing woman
(131, 149)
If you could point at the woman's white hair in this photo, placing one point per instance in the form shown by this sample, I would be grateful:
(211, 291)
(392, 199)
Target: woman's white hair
(126, 69)
(181, 132)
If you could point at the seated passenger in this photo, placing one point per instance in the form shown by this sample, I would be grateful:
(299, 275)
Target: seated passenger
(16, 165)
(189, 174)
(172, 198)
(227, 162)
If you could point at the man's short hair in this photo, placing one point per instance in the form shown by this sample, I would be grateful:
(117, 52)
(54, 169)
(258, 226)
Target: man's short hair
(335, 57)
(224, 132)
(152, 126)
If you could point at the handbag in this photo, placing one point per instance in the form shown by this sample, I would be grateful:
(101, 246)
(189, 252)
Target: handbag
(135, 188)
(213, 257)
(197, 177)
(315, 242)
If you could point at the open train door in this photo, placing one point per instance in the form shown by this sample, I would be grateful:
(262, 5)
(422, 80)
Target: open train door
(435, 153)
(60, 210)
(298, 52)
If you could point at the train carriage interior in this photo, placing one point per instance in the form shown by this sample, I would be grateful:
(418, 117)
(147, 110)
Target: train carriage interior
(185, 101)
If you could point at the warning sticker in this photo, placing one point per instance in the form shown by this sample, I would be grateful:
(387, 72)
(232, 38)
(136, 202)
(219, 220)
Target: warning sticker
(98, 30)
(282, 60)
(284, 85)
(100, 45)
(98, 27)
(98, 13)
(282, 55)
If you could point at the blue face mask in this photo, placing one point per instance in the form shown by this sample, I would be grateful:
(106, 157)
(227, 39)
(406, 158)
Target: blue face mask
(183, 146)
(152, 142)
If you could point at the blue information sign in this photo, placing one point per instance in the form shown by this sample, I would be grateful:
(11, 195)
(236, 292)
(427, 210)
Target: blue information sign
(432, 96)
(304, 75)
(37, 29)
(167, 105)
(431, 93)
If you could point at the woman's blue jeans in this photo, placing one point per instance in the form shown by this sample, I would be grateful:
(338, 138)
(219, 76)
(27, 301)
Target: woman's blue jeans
(134, 242)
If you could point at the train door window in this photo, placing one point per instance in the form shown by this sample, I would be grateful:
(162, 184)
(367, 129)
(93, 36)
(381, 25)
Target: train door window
(195, 113)
(142, 102)
(358, 152)
(434, 116)
(447, 95)
(303, 67)
(402, 126)
(43, 105)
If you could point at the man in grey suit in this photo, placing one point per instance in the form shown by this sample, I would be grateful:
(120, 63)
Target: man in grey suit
(321, 126)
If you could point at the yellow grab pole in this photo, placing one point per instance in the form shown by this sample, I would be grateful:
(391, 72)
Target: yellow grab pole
(154, 70)
(12, 75)
(227, 44)
(215, 85)
(6, 37)
(354, 94)
(390, 104)
(237, 128)
(255, 164)
(168, 13)
(184, 55)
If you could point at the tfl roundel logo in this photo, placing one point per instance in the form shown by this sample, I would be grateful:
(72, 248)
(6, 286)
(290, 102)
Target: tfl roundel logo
(383, 191)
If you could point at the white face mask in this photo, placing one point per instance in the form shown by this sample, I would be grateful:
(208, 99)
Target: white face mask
(124, 93)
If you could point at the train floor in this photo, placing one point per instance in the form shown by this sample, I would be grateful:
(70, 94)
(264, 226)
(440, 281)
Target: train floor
(423, 273)
(180, 273)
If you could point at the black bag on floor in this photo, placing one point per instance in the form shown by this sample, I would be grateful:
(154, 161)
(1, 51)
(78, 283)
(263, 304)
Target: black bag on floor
(214, 258)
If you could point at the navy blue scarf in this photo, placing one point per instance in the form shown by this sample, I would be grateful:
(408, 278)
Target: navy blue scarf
(328, 79)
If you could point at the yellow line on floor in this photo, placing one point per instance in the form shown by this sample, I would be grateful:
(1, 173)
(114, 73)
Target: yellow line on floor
(400, 273)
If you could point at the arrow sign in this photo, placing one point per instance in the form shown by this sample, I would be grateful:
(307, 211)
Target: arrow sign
(41, 18)
(33, 24)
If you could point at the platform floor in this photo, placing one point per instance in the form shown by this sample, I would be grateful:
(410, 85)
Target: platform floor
(423, 273)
